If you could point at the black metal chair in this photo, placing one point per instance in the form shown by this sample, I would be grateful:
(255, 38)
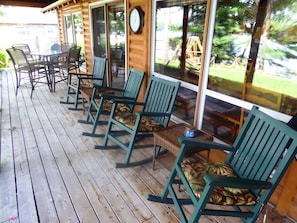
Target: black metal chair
(66, 46)
(32, 71)
(25, 48)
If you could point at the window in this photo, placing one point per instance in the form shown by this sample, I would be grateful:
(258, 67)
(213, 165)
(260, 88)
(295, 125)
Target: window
(178, 45)
(253, 56)
(74, 30)
(178, 49)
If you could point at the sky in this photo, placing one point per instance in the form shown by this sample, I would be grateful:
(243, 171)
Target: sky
(27, 25)
(26, 15)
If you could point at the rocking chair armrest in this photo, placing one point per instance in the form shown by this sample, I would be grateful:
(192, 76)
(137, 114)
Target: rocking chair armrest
(90, 78)
(116, 98)
(108, 88)
(79, 75)
(236, 182)
(204, 143)
(152, 113)
(127, 101)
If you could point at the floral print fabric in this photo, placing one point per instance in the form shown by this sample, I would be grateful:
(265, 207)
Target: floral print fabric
(195, 170)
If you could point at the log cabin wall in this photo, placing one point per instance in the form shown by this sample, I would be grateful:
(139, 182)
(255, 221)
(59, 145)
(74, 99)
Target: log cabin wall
(139, 45)
(138, 55)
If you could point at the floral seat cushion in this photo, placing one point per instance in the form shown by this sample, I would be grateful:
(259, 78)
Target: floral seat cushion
(107, 106)
(146, 124)
(195, 170)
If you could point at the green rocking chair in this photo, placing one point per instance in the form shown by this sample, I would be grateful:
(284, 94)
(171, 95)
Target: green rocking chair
(155, 114)
(256, 162)
(77, 81)
(101, 103)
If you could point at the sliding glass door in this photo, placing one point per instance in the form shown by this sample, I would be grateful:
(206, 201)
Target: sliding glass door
(108, 23)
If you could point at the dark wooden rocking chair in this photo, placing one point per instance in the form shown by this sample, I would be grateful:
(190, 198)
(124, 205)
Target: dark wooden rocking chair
(254, 167)
(155, 114)
(79, 81)
(101, 103)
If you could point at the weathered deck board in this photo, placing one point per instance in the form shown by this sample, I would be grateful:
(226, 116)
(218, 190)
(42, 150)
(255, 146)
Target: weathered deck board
(51, 173)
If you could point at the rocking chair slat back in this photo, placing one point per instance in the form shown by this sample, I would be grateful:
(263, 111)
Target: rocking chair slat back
(133, 84)
(99, 67)
(158, 90)
(259, 149)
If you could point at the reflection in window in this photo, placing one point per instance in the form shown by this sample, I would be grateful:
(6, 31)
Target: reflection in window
(185, 105)
(254, 53)
(178, 48)
(117, 39)
(221, 119)
(179, 32)
(99, 32)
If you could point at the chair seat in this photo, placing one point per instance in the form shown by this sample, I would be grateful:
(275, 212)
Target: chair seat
(107, 106)
(86, 91)
(195, 169)
(146, 124)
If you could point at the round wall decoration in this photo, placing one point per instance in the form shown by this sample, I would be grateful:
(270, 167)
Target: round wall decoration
(136, 20)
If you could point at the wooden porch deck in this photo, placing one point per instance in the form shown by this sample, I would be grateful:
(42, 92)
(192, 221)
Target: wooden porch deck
(51, 173)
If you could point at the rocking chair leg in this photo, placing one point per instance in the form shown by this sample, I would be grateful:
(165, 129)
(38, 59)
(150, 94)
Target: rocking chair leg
(76, 102)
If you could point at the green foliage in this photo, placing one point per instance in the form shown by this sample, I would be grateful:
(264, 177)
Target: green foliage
(3, 59)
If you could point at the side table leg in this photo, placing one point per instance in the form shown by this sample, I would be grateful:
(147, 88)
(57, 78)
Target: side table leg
(156, 151)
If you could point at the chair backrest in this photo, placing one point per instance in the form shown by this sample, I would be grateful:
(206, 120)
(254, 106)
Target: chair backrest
(18, 58)
(73, 57)
(65, 47)
(22, 46)
(25, 48)
(263, 149)
(160, 98)
(99, 70)
(133, 83)
(74, 53)
(117, 54)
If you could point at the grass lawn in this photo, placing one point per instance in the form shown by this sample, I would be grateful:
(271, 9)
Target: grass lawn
(261, 79)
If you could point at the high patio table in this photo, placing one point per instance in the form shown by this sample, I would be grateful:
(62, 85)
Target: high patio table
(50, 58)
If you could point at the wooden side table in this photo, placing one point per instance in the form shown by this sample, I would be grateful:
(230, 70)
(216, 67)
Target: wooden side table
(168, 138)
